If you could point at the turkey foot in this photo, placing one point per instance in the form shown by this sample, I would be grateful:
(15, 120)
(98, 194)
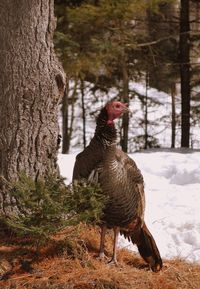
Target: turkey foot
(102, 256)
(113, 262)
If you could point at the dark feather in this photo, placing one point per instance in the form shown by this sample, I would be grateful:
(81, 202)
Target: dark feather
(148, 249)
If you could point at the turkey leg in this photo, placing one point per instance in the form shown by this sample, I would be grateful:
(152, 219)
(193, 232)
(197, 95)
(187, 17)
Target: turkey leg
(114, 256)
(102, 242)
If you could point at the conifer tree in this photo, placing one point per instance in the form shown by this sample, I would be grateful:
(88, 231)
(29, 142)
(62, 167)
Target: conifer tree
(98, 40)
(32, 84)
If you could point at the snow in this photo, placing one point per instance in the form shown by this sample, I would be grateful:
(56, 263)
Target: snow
(172, 186)
(159, 115)
(66, 164)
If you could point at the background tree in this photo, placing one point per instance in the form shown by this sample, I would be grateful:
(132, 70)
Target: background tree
(194, 70)
(184, 48)
(68, 103)
(163, 69)
(31, 87)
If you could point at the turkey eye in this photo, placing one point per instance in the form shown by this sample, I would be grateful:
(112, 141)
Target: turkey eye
(117, 106)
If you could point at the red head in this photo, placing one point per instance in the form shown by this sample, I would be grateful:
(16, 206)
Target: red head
(115, 109)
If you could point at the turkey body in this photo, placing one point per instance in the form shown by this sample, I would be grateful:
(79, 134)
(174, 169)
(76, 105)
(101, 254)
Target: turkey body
(122, 183)
(120, 179)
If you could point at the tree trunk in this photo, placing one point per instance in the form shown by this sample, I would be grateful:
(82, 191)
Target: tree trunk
(31, 86)
(65, 121)
(173, 120)
(185, 72)
(68, 116)
(146, 113)
(125, 98)
(83, 113)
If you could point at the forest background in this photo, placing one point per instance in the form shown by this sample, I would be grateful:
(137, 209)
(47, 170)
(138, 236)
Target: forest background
(145, 53)
(108, 47)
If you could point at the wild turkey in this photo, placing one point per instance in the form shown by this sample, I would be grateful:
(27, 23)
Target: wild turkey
(122, 182)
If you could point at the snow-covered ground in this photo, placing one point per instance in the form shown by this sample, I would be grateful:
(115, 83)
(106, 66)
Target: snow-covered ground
(172, 185)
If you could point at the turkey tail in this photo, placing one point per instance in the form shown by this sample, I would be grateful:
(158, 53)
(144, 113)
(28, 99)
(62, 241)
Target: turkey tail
(147, 248)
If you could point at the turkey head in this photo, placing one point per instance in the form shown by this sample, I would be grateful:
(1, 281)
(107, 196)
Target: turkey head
(115, 109)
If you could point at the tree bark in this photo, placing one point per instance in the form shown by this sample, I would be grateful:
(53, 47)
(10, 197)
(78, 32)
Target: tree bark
(31, 87)
(185, 72)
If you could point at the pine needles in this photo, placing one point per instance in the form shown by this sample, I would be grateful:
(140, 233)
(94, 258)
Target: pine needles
(46, 206)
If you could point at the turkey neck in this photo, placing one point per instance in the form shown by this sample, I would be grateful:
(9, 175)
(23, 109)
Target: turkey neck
(105, 133)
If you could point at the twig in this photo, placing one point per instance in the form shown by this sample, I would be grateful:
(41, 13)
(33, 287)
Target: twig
(21, 277)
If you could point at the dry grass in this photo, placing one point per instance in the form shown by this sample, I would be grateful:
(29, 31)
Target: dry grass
(69, 261)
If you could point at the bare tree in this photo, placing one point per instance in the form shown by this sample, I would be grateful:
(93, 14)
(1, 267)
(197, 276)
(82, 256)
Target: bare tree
(31, 87)
(83, 111)
(184, 47)
(173, 116)
(125, 98)
(146, 112)
(68, 116)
